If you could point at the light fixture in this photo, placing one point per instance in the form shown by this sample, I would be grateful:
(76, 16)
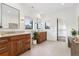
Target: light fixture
(32, 7)
(38, 15)
(62, 4)
(8, 11)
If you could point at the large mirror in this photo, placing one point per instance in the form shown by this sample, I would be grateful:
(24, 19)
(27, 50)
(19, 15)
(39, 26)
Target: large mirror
(0, 16)
(9, 17)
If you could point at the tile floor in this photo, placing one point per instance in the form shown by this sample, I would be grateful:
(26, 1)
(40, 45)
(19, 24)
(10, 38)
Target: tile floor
(49, 48)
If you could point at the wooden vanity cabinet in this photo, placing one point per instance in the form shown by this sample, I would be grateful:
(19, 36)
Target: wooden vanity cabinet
(42, 37)
(27, 43)
(4, 46)
(13, 50)
(19, 47)
(19, 44)
(74, 48)
(14, 45)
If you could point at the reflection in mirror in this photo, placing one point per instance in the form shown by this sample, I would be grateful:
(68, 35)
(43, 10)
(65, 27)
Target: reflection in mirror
(47, 26)
(10, 17)
(39, 23)
(28, 22)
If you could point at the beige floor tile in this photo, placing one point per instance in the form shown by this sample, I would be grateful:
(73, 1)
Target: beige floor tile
(49, 48)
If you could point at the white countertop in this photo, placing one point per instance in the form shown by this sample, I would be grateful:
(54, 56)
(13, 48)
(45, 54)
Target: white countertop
(12, 34)
(8, 32)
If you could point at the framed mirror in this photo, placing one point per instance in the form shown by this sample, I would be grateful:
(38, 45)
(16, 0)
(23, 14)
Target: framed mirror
(10, 17)
(0, 17)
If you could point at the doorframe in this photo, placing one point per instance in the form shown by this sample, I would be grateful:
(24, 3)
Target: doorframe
(57, 29)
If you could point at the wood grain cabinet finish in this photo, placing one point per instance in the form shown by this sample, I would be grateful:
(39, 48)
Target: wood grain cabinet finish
(42, 37)
(14, 45)
(74, 49)
(4, 46)
(69, 41)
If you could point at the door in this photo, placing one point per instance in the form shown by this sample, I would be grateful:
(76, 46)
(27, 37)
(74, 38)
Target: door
(19, 47)
(61, 30)
(13, 48)
(52, 31)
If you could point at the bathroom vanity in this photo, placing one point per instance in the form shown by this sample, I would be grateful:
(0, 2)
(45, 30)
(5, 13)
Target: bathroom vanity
(42, 37)
(75, 48)
(14, 44)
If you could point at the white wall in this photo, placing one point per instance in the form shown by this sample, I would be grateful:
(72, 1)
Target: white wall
(77, 16)
(0, 14)
(68, 14)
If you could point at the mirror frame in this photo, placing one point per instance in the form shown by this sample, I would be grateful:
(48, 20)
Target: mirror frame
(13, 8)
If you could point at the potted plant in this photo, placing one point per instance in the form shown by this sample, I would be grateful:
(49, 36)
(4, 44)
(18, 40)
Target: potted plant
(35, 37)
(74, 33)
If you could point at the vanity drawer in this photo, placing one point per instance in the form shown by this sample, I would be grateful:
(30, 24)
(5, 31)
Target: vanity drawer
(26, 41)
(24, 36)
(17, 37)
(28, 36)
(4, 50)
(4, 40)
(13, 38)
(21, 36)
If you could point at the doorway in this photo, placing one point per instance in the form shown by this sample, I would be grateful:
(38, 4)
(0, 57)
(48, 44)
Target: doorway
(61, 30)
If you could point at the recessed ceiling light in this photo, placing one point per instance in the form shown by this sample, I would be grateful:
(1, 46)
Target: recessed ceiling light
(32, 7)
(8, 11)
(38, 15)
(62, 4)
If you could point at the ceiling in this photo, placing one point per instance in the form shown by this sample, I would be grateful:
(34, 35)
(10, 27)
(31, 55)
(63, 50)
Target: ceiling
(49, 7)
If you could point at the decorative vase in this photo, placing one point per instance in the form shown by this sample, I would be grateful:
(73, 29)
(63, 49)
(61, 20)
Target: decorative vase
(34, 41)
